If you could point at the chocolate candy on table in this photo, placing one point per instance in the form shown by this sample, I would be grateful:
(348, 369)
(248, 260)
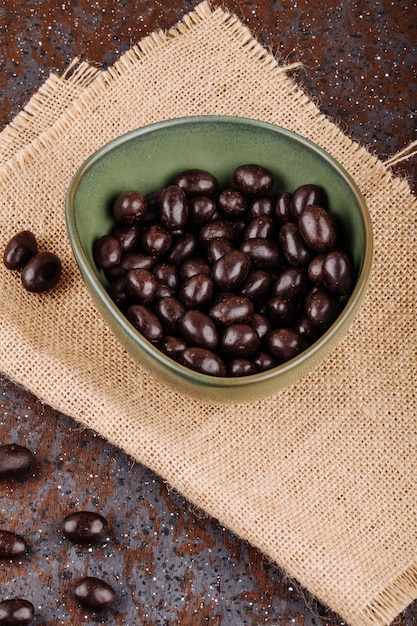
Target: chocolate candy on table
(84, 527)
(230, 281)
(93, 593)
(16, 611)
(19, 250)
(41, 272)
(14, 459)
(11, 544)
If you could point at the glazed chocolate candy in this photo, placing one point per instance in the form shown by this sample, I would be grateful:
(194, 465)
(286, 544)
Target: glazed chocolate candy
(337, 273)
(93, 593)
(317, 228)
(232, 281)
(198, 329)
(11, 544)
(232, 310)
(285, 343)
(14, 459)
(230, 270)
(322, 308)
(107, 251)
(42, 272)
(173, 208)
(253, 180)
(145, 322)
(84, 527)
(203, 361)
(16, 611)
(240, 340)
(19, 250)
(130, 207)
(304, 195)
(197, 182)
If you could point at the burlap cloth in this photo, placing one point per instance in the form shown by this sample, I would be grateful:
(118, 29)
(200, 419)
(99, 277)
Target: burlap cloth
(322, 477)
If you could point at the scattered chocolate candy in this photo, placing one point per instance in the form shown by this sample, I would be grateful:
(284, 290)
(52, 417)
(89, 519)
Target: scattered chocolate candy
(19, 250)
(11, 544)
(14, 459)
(228, 282)
(93, 593)
(84, 527)
(42, 272)
(16, 611)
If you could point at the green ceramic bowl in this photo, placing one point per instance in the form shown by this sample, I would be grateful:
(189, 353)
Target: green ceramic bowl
(147, 159)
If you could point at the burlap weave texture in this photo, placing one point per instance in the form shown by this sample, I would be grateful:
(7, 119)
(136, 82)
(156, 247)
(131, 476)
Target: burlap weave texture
(321, 477)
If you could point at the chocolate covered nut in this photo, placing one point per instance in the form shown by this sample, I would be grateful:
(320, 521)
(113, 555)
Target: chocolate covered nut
(173, 346)
(337, 273)
(291, 283)
(317, 228)
(232, 310)
(183, 249)
(173, 208)
(17, 612)
(198, 329)
(261, 205)
(130, 261)
(167, 274)
(219, 229)
(285, 344)
(129, 236)
(42, 272)
(283, 207)
(130, 207)
(240, 340)
(141, 286)
(264, 254)
(253, 180)
(294, 248)
(280, 311)
(315, 269)
(197, 182)
(93, 593)
(201, 210)
(231, 270)
(145, 322)
(203, 361)
(84, 527)
(304, 195)
(169, 310)
(217, 248)
(107, 251)
(14, 459)
(11, 544)
(156, 240)
(256, 285)
(19, 250)
(322, 308)
(196, 292)
(241, 367)
(232, 202)
(263, 226)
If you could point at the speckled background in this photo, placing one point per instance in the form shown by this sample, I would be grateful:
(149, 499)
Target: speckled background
(169, 563)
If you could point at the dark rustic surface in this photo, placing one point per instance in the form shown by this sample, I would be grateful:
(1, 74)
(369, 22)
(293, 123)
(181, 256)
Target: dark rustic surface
(169, 563)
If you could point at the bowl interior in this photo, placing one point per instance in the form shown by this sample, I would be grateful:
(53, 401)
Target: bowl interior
(148, 158)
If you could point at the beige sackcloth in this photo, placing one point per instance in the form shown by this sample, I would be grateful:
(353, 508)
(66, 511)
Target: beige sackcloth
(322, 478)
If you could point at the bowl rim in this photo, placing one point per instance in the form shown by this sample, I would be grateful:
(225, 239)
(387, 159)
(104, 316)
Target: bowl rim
(94, 284)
